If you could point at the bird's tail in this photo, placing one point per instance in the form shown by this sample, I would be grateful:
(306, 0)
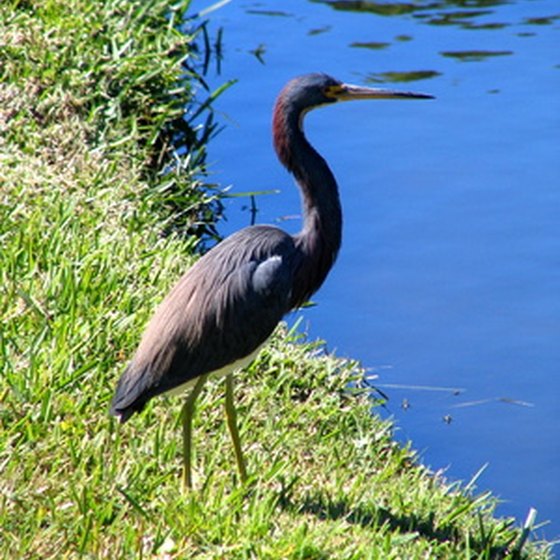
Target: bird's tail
(131, 394)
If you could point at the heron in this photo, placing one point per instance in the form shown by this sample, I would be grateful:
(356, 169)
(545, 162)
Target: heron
(225, 307)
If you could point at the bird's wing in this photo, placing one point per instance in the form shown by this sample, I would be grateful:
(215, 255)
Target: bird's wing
(221, 311)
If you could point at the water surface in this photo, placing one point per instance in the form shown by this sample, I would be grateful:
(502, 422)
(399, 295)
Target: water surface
(448, 282)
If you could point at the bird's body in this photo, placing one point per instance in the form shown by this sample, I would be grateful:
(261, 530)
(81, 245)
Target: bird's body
(221, 311)
(228, 304)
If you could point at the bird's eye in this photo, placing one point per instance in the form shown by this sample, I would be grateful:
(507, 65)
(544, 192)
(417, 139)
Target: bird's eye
(333, 91)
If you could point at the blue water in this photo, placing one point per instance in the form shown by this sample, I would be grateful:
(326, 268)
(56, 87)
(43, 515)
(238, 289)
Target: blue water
(449, 275)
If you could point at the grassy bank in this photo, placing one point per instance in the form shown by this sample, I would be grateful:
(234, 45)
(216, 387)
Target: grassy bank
(92, 233)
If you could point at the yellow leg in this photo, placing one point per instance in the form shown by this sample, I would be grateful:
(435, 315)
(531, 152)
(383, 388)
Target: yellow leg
(231, 416)
(187, 415)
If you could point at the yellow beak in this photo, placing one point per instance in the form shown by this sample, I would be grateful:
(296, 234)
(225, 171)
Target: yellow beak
(348, 92)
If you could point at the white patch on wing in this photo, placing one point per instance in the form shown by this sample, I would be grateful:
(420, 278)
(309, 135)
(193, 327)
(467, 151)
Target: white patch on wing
(222, 372)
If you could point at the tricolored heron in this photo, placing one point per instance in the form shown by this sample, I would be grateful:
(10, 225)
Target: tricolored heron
(214, 321)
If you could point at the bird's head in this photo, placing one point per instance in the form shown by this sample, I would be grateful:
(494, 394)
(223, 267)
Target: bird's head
(313, 90)
(307, 92)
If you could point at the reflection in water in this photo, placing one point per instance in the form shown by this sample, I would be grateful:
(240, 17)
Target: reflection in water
(485, 26)
(412, 76)
(370, 45)
(320, 30)
(432, 11)
(379, 8)
(271, 13)
(464, 14)
(542, 20)
(458, 18)
(403, 8)
(452, 18)
(474, 56)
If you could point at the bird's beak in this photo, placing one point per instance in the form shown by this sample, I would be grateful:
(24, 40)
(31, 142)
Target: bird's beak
(348, 92)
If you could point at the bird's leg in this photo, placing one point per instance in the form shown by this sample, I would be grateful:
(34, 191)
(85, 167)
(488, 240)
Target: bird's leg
(187, 415)
(231, 416)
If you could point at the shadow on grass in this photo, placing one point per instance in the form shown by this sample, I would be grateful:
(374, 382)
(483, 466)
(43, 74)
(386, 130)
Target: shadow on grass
(324, 508)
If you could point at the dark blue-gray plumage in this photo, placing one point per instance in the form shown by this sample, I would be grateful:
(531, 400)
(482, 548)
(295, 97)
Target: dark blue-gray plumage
(227, 305)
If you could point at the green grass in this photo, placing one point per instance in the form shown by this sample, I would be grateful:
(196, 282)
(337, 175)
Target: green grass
(92, 234)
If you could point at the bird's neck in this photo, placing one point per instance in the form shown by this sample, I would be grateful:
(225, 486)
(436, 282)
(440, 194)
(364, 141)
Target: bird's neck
(321, 234)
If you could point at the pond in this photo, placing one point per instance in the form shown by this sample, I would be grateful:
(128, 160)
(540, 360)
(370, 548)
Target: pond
(447, 287)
